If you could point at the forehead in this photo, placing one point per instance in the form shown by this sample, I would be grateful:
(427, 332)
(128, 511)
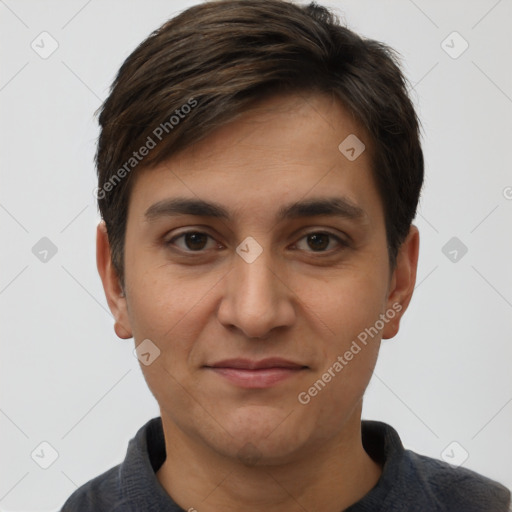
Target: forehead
(283, 149)
(290, 128)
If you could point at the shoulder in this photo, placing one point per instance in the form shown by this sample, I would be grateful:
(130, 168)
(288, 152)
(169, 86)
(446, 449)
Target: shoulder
(98, 495)
(455, 488)
(127, 485)
(415, 482)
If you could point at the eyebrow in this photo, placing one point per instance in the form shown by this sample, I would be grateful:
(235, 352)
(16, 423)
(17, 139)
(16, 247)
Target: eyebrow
(330, 206)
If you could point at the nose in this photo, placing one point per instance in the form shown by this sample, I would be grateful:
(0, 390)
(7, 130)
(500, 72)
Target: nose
(256, 298)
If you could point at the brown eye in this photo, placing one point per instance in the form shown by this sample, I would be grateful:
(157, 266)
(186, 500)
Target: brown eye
(195, 241)
(320, 242)
(191, 241)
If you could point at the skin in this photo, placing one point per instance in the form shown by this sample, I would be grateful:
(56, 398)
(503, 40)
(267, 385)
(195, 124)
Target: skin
(229, 446)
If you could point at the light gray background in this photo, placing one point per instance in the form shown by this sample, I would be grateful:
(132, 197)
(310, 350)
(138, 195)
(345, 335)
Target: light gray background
(65, 377)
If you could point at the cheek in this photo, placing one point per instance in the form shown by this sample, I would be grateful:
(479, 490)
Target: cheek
(171, 310)
(347, 312)
(170, 313)
(348, 352)
(344, 304)
(158, 298)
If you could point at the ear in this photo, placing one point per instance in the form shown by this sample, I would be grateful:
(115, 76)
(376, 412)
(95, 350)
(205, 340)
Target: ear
(402, 281)
(111, 283)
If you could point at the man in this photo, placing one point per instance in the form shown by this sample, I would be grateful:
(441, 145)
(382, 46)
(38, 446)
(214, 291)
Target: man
(259, 170)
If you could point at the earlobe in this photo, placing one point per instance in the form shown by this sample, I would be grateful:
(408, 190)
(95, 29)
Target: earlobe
(403, 282)
(111, 285)
(391, 329)
(122, 332)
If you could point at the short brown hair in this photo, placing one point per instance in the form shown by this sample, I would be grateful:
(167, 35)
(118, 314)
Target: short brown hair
(216, 58)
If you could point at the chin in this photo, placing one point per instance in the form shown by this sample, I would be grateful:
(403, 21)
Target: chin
(264, 436)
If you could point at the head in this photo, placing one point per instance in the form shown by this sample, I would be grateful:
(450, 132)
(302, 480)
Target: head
(259, 171)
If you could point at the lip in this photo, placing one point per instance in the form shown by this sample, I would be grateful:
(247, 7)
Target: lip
(261, 374)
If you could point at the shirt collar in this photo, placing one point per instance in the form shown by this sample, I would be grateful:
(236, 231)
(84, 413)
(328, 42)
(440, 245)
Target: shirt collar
(141, 490)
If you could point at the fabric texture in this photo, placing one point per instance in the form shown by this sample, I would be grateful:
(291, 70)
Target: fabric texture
(409, 481)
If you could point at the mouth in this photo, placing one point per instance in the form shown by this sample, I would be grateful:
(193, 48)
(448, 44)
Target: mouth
(261, 374)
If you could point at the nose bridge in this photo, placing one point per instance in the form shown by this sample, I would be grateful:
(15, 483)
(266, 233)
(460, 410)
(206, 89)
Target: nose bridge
(255, 301)
(256, 280)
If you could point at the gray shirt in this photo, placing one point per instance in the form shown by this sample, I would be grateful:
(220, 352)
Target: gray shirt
(409, 482)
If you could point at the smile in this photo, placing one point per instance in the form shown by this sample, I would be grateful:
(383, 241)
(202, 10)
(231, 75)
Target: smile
(256, 374)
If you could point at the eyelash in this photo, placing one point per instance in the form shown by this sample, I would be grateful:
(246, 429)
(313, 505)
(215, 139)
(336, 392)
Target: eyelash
(342, 243)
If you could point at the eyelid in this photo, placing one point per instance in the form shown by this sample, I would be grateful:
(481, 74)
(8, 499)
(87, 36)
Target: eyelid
(321, 231)
(200, 231)
(315, 231)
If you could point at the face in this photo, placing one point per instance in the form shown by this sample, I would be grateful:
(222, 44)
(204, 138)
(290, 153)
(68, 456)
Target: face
(256, 262)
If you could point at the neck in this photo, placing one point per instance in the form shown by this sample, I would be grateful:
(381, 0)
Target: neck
(329, 478)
